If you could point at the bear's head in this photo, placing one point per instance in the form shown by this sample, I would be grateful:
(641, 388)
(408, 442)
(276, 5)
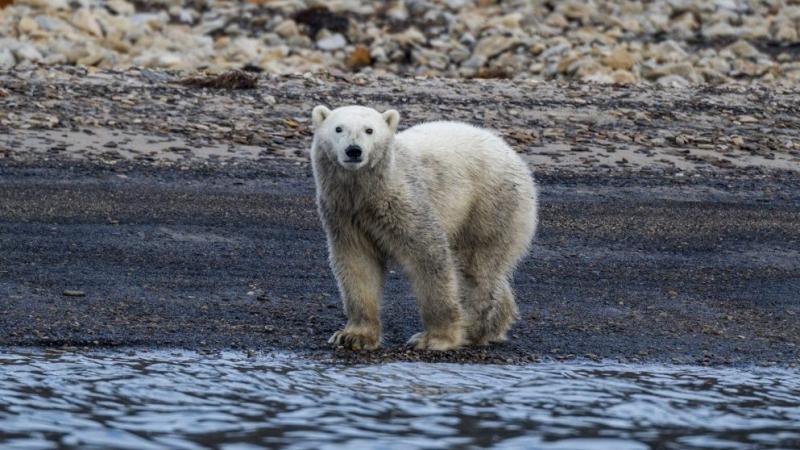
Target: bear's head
(354, 136)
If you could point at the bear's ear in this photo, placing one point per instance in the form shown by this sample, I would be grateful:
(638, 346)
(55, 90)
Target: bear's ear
(392, 118)
(318, 115)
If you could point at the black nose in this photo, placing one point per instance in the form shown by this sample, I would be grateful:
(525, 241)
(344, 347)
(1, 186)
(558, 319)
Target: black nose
(353, 151)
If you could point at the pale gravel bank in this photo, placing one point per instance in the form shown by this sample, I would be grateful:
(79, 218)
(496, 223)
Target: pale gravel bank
(665, 42)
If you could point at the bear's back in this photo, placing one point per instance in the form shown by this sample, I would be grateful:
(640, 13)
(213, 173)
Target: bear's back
(459, 164)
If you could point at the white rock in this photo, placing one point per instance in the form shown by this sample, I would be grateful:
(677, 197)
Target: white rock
(744, 49)
(458, 54)
(7, 59)
(555, 50)
(491, 46)
(785, 30)
(204, 27)
(169, 60)
(720, 30)
(467, 39)
(792, 70)
(455, 4)
(674, 81)
(44, 4)
(599, 78)
(25, 51)
(431, 58)
(684, 25)
(473, 63)
(726, 4)
(755, 27)
(120, 7)
(333, 42)
(378, 54)
(287, 29)
(27, 25)
(52, 24)
(408, 37)
(397, 12)
(668, 51)
(244, 49)
(187, 16)
(85, 20)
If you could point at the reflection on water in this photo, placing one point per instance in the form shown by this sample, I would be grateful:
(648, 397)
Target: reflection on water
(185, 400)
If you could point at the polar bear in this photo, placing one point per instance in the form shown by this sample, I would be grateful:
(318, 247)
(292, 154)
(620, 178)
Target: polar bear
(453, 204)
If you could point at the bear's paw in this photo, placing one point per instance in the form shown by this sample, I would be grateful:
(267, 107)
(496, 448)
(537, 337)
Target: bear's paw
(438, 342)
(355, 340)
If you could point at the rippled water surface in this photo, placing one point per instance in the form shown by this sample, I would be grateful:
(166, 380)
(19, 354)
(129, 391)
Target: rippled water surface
(186, 400)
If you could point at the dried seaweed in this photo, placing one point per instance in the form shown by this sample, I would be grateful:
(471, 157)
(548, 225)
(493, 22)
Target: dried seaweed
(232, 79)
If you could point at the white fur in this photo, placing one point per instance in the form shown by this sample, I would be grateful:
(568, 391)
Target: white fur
(453, 203)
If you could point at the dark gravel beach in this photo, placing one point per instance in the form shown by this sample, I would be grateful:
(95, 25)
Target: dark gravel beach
(136, 212)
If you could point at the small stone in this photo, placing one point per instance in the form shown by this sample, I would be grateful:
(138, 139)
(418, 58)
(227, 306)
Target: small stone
(719, 30)
(749, 68)
(287, 29)
(619, 59)
(576, 10)
(712, 76)
(397, 12)
(790, 70)
(668, 51)
(786, 31)
(409, 37)
(121, 7)
(333, 42)
(458, 54)
(685, 25)
(744, 49)
(555, 50)
(27, 25)
(599, 78)
(44, 4)
(359, 58)
(378, 54)
(85, 20)
(557, 20)
(27, 52)
(7, 59)
(755, 27)
(491, 46)
(74, 293)
(675, 81)
(685, 70)
(430, 58)
(623, 77)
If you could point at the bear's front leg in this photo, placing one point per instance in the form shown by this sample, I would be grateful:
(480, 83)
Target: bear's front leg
(433, 275)
(359, 273)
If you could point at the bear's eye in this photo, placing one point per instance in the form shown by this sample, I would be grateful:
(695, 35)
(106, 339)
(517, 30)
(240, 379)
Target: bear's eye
(369, 130)
(338, 129)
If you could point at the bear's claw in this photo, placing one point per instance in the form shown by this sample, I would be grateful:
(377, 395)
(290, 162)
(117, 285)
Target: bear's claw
(354, 340)
(425, 341)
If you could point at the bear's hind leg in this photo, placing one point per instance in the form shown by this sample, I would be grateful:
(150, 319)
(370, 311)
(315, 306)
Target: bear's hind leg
(490, 310)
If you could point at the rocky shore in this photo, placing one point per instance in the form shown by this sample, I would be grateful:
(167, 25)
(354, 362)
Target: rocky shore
(668, 42)
(140, 209)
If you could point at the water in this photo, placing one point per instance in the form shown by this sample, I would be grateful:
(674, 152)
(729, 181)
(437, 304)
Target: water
(185, 400)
